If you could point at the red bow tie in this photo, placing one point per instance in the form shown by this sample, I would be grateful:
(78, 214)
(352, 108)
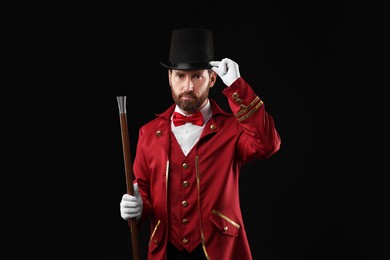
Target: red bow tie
(196, 119)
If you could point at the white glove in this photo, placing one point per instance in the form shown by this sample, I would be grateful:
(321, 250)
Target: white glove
(227, 70)
(131, 206)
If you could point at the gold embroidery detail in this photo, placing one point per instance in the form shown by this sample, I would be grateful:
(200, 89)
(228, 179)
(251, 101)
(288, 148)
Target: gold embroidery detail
(166, 180)
(200, 217)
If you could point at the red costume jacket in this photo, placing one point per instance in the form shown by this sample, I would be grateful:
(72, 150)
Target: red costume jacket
(228, 141)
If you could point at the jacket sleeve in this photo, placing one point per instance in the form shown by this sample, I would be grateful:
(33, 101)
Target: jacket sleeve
(142, 176)
(259, 139)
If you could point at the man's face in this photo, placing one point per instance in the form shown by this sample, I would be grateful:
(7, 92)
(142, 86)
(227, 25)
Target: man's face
(190, 88)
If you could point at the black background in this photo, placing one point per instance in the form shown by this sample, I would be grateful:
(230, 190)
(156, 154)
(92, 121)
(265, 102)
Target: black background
(301, 57)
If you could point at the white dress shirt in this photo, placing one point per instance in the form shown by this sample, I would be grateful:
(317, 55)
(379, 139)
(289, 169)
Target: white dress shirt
(187, 135)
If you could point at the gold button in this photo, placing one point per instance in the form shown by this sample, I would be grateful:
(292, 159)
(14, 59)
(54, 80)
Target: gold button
(242, 106)
(213, 127)
(185, 166)
(185, 241)
(184, 203)
(186, 184)
(225, 229)
(185, 220)
(238, 100)
(235, 95)
(158, 133)
(155, 241)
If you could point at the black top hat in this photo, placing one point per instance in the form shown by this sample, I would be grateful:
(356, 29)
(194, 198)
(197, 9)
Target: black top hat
(191, 49)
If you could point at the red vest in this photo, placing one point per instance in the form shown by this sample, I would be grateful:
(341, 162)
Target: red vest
(182, 199)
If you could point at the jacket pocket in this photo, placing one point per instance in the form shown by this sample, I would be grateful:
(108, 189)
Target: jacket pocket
(224, 224)
(157, 236)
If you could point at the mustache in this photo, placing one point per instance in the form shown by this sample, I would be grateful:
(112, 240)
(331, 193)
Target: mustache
(188, 94)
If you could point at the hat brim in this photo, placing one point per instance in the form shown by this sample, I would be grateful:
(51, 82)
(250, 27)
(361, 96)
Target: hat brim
(187, 66)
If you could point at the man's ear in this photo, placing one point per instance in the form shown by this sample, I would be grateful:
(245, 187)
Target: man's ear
(169, 77)
(213, 78)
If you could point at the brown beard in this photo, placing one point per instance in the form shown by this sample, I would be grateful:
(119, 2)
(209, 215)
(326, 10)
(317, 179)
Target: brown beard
(189, 106)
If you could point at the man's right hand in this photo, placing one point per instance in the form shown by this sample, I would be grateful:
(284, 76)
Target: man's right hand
(131, 206)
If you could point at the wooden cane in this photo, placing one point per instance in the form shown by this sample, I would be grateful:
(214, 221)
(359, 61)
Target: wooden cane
(128, 170)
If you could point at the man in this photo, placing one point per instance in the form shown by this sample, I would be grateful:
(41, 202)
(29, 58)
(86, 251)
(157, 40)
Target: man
(187, 173)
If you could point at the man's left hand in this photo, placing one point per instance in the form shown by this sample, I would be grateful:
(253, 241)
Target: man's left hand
(227, 70)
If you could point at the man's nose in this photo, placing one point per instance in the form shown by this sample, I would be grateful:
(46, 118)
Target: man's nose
(189, 85)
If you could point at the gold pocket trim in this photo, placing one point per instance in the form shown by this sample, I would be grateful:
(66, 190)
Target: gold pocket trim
(225, 218)
(154, 230)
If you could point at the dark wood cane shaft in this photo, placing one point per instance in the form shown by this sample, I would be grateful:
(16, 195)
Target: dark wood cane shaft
(129, 181)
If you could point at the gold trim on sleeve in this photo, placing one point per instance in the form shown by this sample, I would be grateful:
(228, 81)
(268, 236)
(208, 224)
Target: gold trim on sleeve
(243, 111)
(250, 112)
